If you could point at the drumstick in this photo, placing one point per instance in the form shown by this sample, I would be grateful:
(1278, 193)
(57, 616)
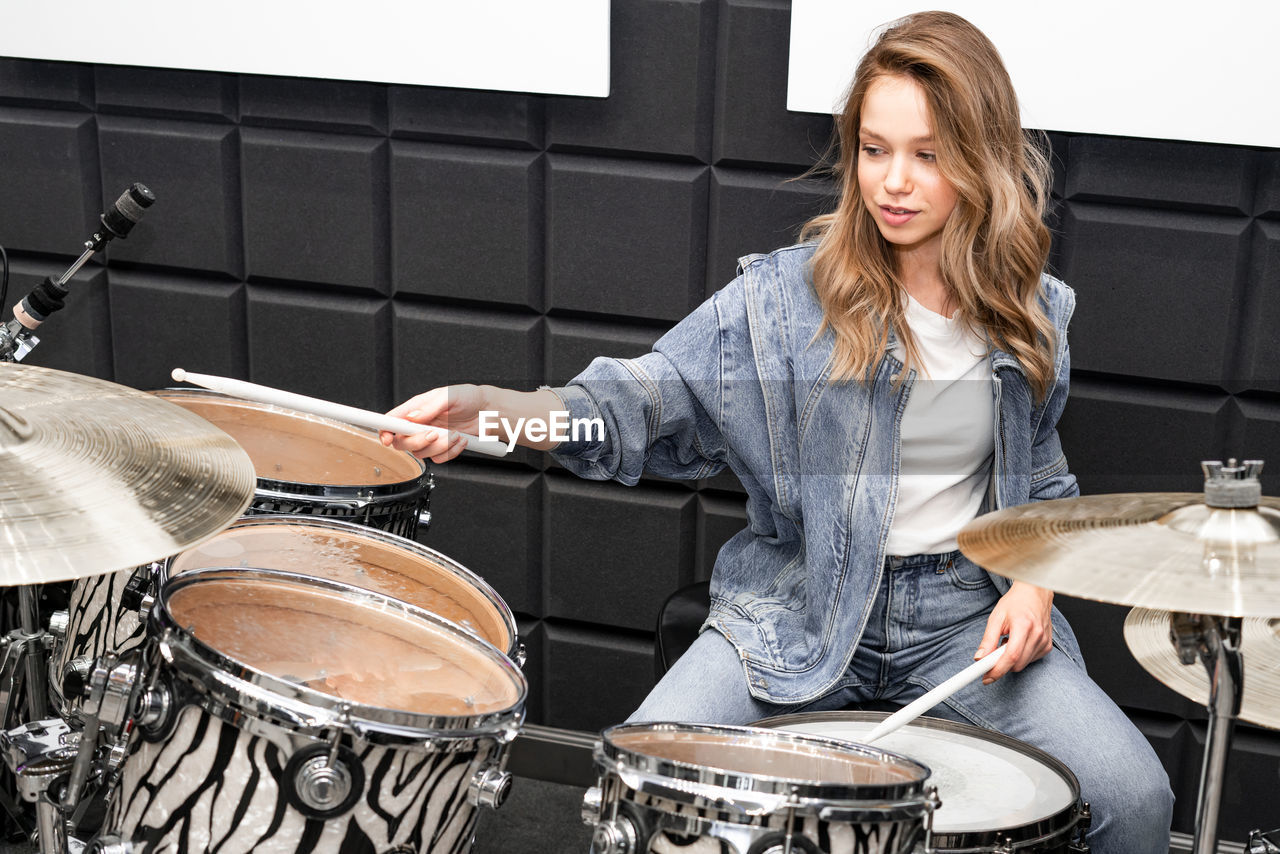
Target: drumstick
(918, 707)
(337, 411)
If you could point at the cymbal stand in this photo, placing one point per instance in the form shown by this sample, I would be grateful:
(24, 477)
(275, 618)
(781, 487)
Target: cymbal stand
(1215, 642)
(24, 652)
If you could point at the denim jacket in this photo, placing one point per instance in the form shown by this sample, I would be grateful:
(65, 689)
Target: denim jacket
(742, 382)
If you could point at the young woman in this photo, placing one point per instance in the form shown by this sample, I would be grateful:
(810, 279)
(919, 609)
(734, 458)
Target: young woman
(874, 389)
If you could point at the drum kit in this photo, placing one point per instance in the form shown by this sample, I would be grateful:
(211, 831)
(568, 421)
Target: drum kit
(256, 655)
(1203, 572)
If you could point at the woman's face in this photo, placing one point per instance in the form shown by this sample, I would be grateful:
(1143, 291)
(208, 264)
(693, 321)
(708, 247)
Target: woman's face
(898, 171)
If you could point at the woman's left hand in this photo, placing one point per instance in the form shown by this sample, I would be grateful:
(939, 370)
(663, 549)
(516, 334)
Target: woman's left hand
(1023, 615)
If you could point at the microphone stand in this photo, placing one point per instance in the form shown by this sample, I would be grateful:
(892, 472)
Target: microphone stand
(17, 337)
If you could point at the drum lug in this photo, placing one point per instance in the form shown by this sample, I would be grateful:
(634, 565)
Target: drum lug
(614, 836)
(320, 787)
(109, 843)
(137, 592)
(424, 520)
(1084, 818)
(58, 623)
(522, 655)
(1005, 847)
(489, 787)
(592, 803)
(324, 780)
(931, 805)
(155, 707)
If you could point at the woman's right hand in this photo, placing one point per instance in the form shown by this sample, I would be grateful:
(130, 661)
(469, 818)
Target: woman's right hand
(456, 408)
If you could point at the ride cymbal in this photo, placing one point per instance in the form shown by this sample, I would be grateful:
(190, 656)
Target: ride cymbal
(1146, 632)
(96, 477)
(1168, 551)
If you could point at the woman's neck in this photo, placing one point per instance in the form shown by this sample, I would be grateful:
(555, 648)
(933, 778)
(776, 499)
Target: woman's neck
(921, 277)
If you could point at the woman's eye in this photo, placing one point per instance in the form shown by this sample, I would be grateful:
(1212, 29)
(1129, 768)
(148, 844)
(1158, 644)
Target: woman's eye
(929, 156)
(871, 149)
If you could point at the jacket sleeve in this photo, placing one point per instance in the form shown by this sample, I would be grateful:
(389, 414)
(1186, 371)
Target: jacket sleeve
(1050, 476)
(660, 413)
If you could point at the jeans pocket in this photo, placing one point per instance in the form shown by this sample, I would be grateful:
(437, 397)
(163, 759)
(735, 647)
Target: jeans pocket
(965, 574)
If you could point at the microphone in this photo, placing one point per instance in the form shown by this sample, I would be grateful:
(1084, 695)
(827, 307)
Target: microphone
(120, 218)
(16, 338)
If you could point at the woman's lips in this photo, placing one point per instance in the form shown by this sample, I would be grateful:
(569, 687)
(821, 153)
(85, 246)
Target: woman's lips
(897, 216)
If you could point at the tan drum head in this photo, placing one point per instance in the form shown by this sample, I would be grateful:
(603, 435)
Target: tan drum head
(346, 645)
(299, 448)
(758, 755)
(403, 571)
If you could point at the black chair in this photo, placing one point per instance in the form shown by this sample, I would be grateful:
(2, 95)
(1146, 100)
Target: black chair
(678, 622)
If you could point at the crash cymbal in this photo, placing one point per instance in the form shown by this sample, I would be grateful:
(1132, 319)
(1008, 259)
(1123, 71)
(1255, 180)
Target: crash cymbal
(96, 477)
(1158, 550)
(1146, 632)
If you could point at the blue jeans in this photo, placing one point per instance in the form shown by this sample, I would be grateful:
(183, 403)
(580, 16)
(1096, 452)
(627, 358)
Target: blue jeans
(927, 620)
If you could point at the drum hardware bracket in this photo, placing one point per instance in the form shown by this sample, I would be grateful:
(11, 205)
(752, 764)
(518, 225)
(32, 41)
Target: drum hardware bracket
(615, 836)
(1084, 820)
(58, 623)
(1263, 843)
(39, 754)
(592, 804)
(489, 787)
(325, 780)
(933, 802)
(109, 843)
(793, 801)
(101, 684)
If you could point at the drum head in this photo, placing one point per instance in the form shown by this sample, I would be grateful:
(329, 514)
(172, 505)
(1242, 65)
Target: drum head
(986, 781)
(295, 447)
(392, 566)
(347, 644)
(759, 760)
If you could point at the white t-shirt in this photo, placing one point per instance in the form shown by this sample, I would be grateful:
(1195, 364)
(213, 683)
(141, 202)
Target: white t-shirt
(948, 435)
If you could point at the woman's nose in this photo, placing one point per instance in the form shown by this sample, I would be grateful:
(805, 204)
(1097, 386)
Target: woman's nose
(898, 178)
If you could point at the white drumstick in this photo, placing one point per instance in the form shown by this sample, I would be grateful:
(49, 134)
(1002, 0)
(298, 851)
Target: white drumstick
(918, 707)
(337, 411)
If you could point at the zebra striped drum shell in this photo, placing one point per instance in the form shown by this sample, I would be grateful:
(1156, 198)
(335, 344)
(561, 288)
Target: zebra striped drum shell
(261, 676)
(669, 787)
(307, 545)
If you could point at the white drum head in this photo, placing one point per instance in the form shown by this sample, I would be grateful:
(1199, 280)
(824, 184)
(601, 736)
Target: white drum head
(983, 784)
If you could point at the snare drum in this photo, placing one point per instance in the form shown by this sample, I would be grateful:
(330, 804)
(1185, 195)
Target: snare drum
(682, 788)
(998, 794)
(286, 713)
(305, 545)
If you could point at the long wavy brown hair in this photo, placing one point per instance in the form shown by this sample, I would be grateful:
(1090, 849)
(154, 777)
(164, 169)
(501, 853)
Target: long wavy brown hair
(995, 243)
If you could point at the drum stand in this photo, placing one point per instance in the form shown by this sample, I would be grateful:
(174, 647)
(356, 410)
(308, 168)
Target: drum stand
(43, 753)
(24, 655)
(1214, 641)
